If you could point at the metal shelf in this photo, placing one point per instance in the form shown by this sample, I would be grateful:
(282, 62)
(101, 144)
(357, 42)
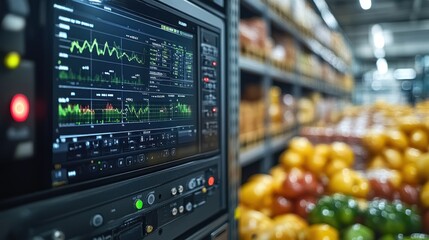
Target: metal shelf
(260, 68)
(270, 145)
(252, 155)
(314, 45)
(251, 65)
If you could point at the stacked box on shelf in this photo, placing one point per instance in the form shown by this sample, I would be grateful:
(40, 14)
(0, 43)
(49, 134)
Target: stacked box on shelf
(254, 39)
(252, 120)
(283, 55)
(281, 111)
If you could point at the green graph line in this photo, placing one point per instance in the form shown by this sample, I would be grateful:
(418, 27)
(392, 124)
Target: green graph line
(111, 114)
(184, 109)
(112, 79)
(137, 115)
(106, 49)
(78, 114)
(75, 114)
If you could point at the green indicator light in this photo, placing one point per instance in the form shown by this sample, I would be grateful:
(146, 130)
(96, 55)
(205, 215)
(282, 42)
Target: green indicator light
(139, 204)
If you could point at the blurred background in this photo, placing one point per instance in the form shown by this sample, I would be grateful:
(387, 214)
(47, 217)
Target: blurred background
(343, 86)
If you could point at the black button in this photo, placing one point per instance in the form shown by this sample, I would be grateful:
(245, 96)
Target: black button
(129, 161)
(121, 162)
(92, 168)
(141, 158)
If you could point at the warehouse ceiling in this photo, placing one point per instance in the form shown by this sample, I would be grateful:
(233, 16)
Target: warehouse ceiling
(404, 24)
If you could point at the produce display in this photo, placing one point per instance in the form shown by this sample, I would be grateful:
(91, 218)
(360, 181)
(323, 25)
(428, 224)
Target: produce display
(316, 193)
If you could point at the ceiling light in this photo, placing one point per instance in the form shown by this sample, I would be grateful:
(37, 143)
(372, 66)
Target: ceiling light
(404, 73)
(365, 4)
(382, 66)
(377, 36)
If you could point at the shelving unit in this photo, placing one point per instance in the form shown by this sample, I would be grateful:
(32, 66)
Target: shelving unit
(262, 152)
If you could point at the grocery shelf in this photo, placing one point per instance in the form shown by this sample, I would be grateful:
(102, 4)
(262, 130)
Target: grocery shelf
(282, 76)
(270, 145)
(251, 65)
(249, 156)
(315, 46)
(257, 67)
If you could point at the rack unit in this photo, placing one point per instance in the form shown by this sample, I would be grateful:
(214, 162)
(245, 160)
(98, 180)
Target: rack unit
(261, 154)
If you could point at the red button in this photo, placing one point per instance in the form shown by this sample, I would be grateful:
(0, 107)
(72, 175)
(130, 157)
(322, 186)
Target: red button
(206, 79)
(19, 108)
(211, 181)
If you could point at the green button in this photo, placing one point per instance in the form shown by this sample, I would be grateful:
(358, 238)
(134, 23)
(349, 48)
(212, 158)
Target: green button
(139, 204)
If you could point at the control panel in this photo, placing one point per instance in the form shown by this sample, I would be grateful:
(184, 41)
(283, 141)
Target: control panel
(149, 212)
(210, 90)
(16, 86)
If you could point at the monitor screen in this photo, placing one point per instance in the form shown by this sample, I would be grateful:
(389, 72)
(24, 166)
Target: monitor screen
(125, 95)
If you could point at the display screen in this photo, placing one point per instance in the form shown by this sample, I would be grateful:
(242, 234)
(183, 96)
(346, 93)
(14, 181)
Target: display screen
(125, 94)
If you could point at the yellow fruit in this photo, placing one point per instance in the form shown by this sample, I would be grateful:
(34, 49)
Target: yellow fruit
(395, 178)
(302, 146)
(409, 123)
(288, 226)
(423, 166)
(397, 139)
(279, 175)
(316, 163)
(410, 173)
(334, 166)
(256, 193)
(322, 232)
(374, 141)
(377, 162)
(349, 182)
(341, 182)
(261, 178)
(419, 139)
(322, 150)
(290, 159)
(340, 150)
(411, 155)
(393, 158)
(424, 195)
(253, 225)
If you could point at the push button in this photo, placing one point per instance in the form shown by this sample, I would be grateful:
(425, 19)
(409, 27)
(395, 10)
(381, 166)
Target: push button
(97, 220)
(19, 108)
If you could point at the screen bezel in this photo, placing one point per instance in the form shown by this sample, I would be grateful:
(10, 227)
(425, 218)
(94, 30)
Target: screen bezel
(38, 186)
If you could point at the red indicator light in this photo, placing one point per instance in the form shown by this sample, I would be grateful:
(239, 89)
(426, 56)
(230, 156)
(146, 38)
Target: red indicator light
(206, 79)
(214, 64)
(214, 109)
(211, 181)
(19, 108)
